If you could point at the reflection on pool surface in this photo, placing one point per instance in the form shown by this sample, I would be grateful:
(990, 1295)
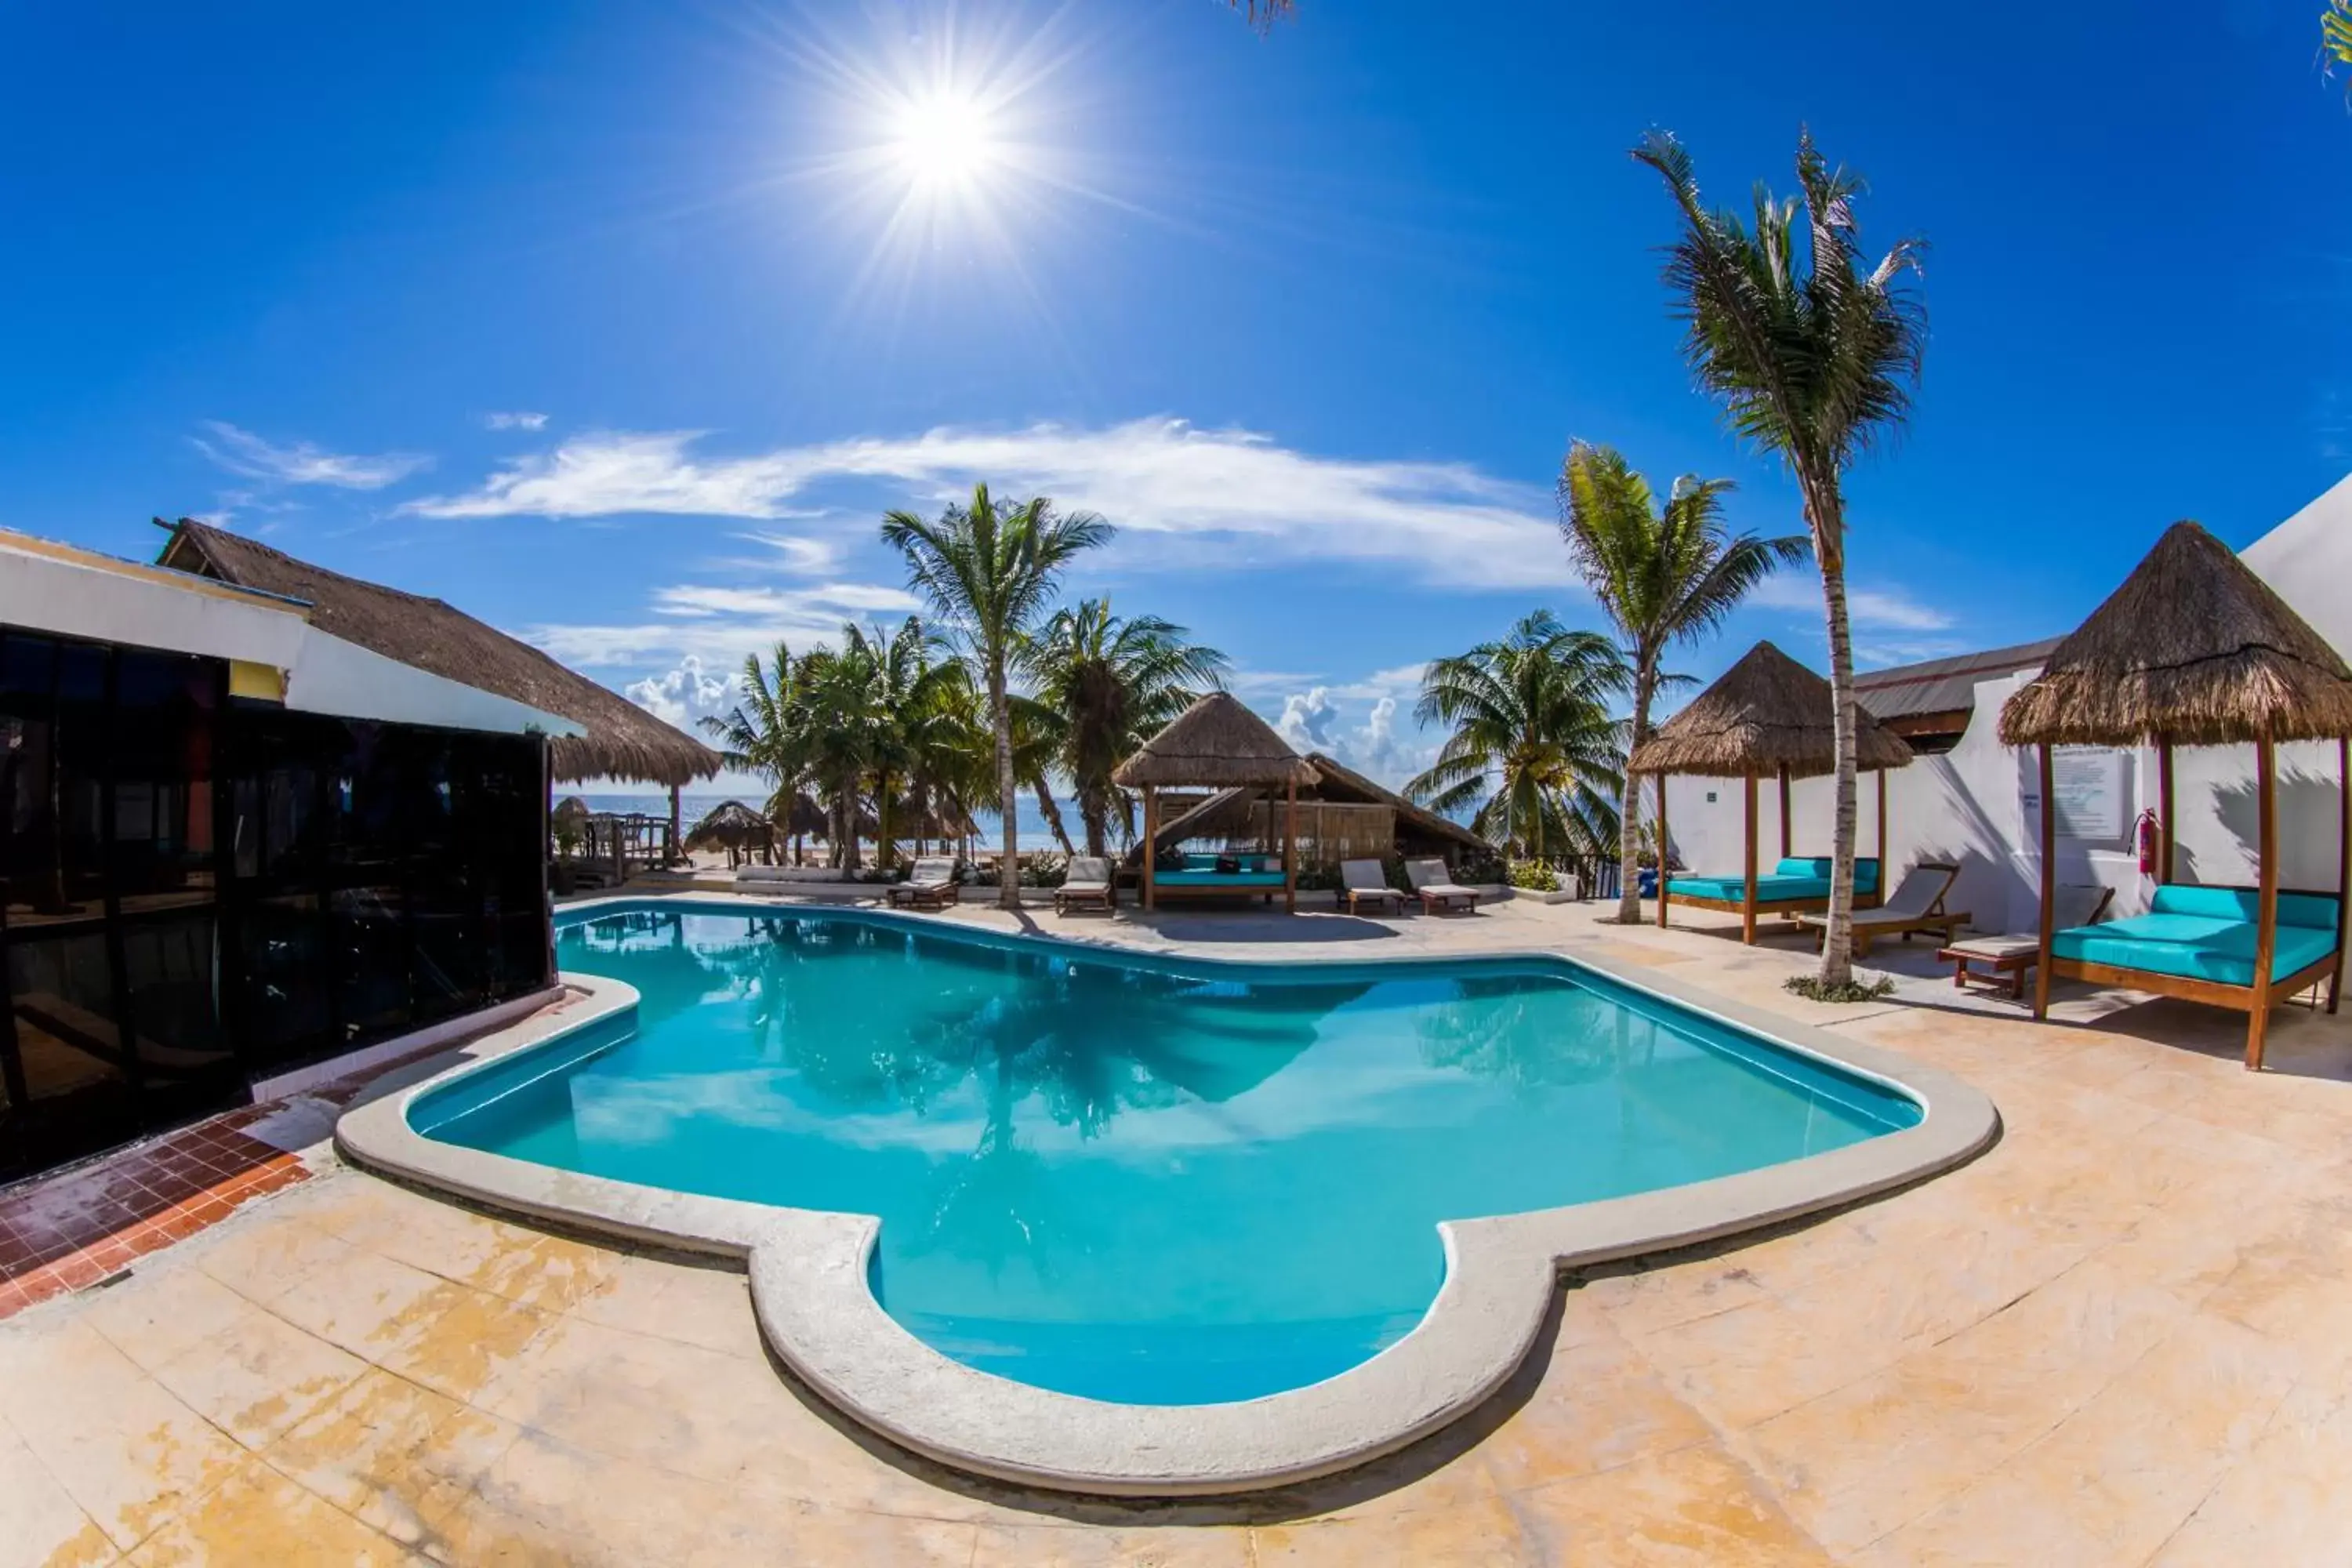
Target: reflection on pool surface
(1137, 1179)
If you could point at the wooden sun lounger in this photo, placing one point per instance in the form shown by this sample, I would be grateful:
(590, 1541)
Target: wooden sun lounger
(1438, 893)
(1365, 881)
(1087, 886)
(930, 886)
(1916, 908)
(2016, 953)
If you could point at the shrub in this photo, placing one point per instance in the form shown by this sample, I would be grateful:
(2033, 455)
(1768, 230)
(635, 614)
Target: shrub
(1810, 987)
(1320, 879)
(1482, 870)
(1534, 876)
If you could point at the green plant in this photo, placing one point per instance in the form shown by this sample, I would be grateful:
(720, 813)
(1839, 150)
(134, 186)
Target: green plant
(989, 576)
(1533, 754)
(1812, 353)
(1482, 870)
(1662, 574)
(1534, 876)
(1045, 871)
(1323, 876)
(1813, 988)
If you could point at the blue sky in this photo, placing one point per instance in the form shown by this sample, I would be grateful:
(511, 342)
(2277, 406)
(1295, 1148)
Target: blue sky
(619, 325)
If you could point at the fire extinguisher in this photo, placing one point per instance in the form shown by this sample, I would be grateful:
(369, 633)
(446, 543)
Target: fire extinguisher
(2149, 833)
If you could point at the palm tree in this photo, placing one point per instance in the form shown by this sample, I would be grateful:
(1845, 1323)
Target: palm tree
(1661, 575)
(1813, 356)
(989, 576)
(765, 733)
(1534, 753)
(1106, 685)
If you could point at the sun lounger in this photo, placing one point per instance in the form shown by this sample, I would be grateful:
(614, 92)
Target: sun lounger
(1917, 906)
(1797, 885)
(2014, 953)
(2200, 943)
(1086, 886)
(1367, 882)
(1438, 892)
(930, 886)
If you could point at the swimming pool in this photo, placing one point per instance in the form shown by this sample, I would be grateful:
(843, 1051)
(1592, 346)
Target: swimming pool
(1140, 1180)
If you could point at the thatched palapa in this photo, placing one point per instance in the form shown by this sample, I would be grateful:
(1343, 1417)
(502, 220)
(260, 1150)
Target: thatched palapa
(1765, 715)
(623, 740)
(731, 825)
(1219, 742)
(2193, 648)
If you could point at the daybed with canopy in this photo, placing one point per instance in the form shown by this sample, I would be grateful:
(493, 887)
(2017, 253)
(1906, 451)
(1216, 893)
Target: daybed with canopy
(2194, 649)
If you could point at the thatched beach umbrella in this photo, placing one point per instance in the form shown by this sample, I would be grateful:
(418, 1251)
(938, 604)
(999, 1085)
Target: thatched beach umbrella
(1218, 742)
(2194, 649)
(1766, 716)
(733, 827)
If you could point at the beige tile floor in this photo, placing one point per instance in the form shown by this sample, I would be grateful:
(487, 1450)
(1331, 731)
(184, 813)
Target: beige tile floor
(2119, 1337)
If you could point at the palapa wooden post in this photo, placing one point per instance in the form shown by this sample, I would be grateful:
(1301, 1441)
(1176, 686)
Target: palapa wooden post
(2164, 809)
(677, 828)
(2266, 908)
(1290, 847)
(1747, 893)
(2344, 865)
(2049, 888)
(1661, 850)
(1151, 842)
(1880, 891)
(1784, 811)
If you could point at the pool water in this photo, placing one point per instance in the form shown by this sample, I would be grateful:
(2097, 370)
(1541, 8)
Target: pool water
(1136, 1179)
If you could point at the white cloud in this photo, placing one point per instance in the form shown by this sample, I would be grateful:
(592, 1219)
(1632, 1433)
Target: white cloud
(794, 554)
(1163, 481)
(515, 419)
(686, 694)
(1891, 608)
(1312, 721)
(243, 452)
(720, 623)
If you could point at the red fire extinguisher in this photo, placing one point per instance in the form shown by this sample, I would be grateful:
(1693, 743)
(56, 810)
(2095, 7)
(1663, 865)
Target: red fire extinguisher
(2149, 835)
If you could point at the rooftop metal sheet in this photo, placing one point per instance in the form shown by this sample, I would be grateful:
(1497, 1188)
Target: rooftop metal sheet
(1943, 685)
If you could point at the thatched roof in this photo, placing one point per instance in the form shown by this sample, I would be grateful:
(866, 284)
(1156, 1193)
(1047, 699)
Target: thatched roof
(1342, 783)
(1764, 713)
(571, 809)
(2193, 648)
(805, 816)
(1217, 741)
(731, 825)
(623, 740)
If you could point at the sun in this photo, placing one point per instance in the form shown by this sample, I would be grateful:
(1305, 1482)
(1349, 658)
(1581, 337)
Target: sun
(944, 138)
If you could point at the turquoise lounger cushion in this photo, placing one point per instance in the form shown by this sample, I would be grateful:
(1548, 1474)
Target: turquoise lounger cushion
(1217, 879)
(2242, 904)
(1198, 862)
(2192, 947)
(1792, 880)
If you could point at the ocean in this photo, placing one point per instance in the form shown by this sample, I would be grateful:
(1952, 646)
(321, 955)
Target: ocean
(692, 808)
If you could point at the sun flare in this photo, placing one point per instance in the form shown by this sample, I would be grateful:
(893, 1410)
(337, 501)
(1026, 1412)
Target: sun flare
(943, 138)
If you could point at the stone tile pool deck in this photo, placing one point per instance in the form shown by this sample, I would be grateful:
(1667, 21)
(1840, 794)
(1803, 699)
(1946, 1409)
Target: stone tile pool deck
(2115, 1337)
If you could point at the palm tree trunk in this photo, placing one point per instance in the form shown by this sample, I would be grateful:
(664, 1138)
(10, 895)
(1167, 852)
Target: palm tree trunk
(1629, 813)
(1052, 813)
(1837, 946)
(1000, 712)
(882, 857)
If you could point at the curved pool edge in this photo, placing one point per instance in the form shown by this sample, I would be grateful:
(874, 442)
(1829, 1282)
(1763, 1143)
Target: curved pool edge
(808, 1271)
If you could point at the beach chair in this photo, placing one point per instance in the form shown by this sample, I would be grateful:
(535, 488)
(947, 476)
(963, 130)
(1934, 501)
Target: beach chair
(1367, 881)
(932, 885)
(2014, 953)
(1917, 906)
(1436, 889)
(1086, 886)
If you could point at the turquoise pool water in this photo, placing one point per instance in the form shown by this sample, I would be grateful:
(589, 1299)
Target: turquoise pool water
(1134, 1179)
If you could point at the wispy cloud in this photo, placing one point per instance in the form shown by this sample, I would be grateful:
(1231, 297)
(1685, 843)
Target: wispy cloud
(515, 419)
(1890, 608)
(1165, 482)
(718, 623)
(302, 463)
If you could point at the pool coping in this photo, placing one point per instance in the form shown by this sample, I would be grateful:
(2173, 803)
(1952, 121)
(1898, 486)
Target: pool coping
(808, 1269)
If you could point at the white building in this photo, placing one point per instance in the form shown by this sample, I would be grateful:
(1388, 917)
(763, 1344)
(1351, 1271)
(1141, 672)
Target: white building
(1971, 800)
